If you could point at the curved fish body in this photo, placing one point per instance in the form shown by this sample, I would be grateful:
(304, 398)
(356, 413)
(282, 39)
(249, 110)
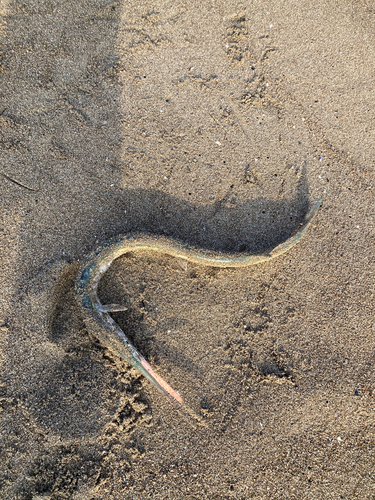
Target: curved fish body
(105, 329)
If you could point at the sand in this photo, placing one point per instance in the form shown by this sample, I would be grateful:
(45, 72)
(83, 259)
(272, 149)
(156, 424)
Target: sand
(220, 124)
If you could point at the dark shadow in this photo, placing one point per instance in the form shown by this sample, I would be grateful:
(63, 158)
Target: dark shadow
(68, 403)
(61, 138)
(252, 226)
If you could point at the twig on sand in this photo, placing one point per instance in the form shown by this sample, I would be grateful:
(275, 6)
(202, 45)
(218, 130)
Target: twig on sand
(18, 183)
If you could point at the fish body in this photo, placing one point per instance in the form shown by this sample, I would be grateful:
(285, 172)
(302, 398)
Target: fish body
(96, 315)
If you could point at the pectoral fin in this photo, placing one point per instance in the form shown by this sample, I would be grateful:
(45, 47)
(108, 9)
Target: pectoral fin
(112, 308)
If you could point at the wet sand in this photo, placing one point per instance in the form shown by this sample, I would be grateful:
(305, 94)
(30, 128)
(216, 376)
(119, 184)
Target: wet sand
(219, 124)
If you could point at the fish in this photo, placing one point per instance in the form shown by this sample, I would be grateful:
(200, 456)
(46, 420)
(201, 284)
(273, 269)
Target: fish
(97, 316)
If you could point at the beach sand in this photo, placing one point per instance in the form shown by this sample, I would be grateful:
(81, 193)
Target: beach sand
(219, 124)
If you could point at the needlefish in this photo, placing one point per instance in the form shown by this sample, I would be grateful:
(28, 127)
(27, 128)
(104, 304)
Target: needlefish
(96, 315)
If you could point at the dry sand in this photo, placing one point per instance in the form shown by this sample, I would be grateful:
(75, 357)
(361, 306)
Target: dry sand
(218, 123)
